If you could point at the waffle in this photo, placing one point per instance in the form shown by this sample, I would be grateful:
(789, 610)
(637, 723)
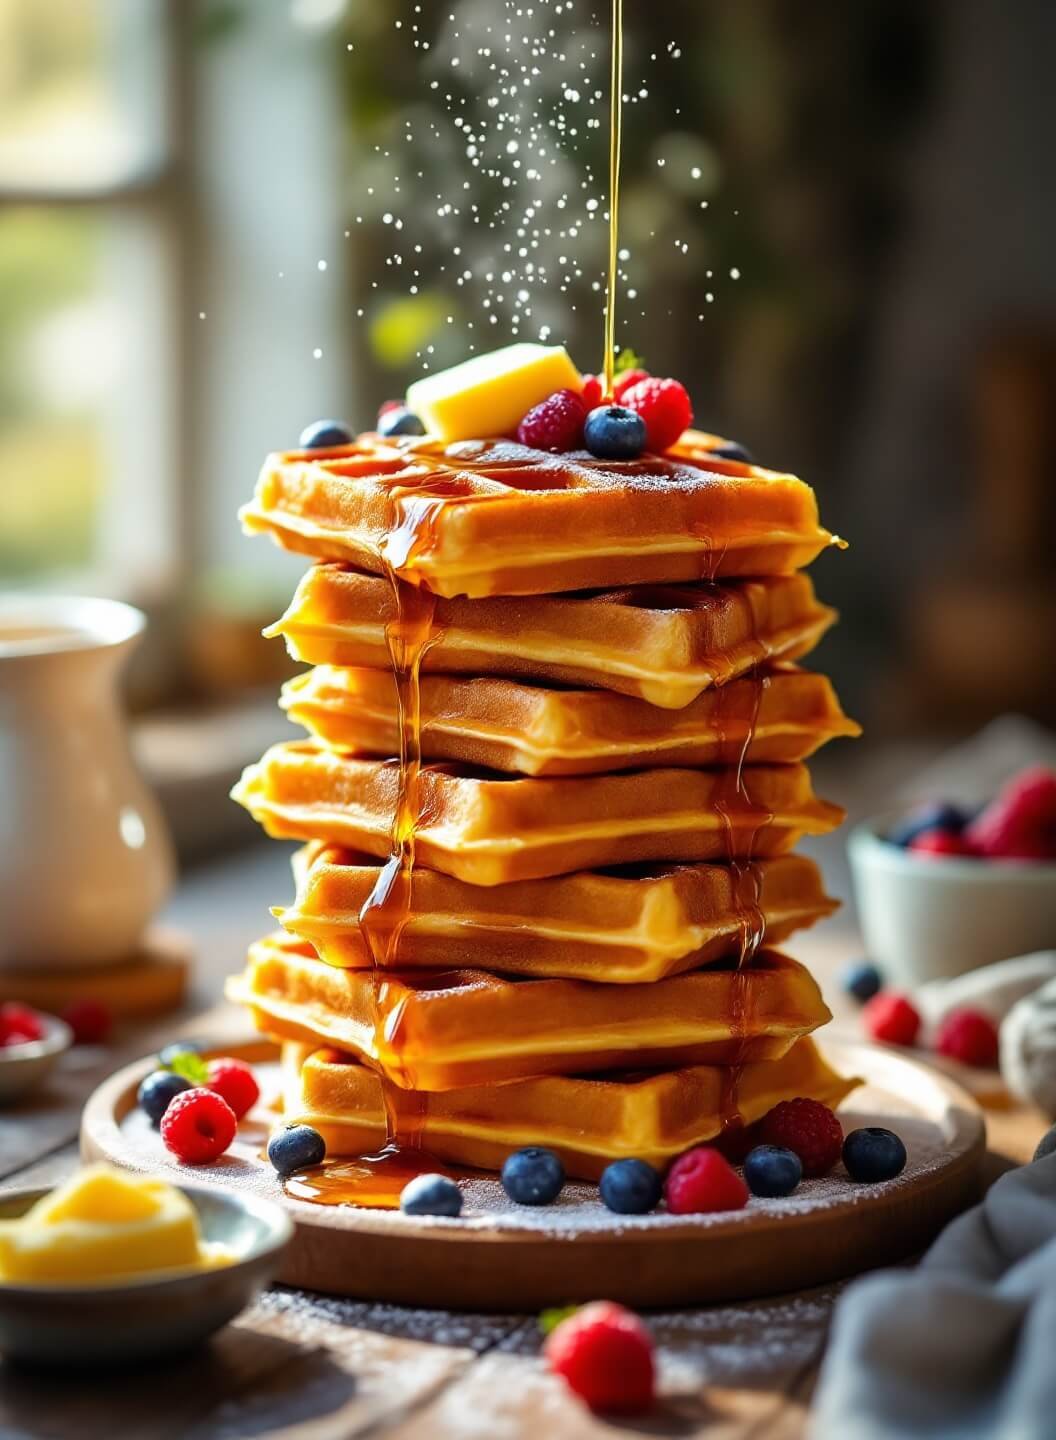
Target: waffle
(454, 1028)
(664, 644)
(626, 927)
(487, 830)
(491, 517)
(500, 724)
(589, 1122)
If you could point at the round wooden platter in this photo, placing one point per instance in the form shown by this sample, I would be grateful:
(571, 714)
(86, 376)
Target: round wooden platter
(498, 1256)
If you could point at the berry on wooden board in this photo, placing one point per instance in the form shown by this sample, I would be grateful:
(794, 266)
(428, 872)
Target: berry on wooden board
(235, 1081)
(158, 1090)
(701, 1182)
(533, 1176)
(873, 1154)
(604, 1354)
(431, 1195)
(630, 1187)
(809, 1129)
(296, 1147)
(772, 1171)
(198, 1126)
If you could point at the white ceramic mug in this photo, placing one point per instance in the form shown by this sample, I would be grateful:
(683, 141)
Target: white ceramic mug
(85, 860)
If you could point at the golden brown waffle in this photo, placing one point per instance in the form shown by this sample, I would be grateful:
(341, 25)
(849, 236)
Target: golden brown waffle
(490, 517)
(589, 1122)
(487, 830)
(621, 927)
(664, 644)
(498, 724)
(454, 1028)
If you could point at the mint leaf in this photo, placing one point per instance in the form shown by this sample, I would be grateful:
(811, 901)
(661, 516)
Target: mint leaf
(549, 1320)
(628, 359)
(190, 1065)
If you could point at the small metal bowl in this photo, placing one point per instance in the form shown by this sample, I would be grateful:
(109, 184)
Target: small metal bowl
(156, 1315)
(25, 1067)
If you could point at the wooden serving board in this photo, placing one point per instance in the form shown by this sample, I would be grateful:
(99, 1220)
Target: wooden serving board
(499, 1256)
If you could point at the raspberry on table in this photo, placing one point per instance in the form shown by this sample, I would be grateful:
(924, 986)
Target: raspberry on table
(555, 424)
(604, 1354)
(809, 1129)
(198, 1126)
(665, 407)
(892, 1018)
(701, 1182)
(235, 1081)
(1021, 823)
(940, 842)
(969, 1036)
(90, 1021)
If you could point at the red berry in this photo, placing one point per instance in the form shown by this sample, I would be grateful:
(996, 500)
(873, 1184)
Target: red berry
(604, 1354)
(556, 423)
(702, 1181)
(665, 407)
(387, 405)
(622, 383)
(939, 842)
(19, 1024)
(969, 1036)
(235, 1082)
(198, 1126)
(807, 1127)
(891, 1017)
(90, 1021)
(593, 392)
(736, 1140)
(1021, 823)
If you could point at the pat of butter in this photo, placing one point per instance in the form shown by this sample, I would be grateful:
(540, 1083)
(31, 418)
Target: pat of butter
(489, 395)
(103, 1225)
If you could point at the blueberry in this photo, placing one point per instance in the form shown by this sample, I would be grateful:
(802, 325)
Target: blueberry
(325, 435)
(873, 1154)
(296, 1148)
(927, 817)
(533, 1176)
(862, 980)
(771, 1170)
(400, 422)
(730, 450)
(612, 432)
(630, 1187)
(178, 1048)
(155, 1092)
(431, 1195)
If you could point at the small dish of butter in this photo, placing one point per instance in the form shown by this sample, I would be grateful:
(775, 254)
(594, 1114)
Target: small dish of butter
(113, 1266)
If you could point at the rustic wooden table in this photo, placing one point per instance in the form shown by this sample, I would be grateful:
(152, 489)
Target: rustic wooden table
(312, 1367)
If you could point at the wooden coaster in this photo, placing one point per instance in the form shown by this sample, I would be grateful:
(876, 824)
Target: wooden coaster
(153, 982)
(501, 1256)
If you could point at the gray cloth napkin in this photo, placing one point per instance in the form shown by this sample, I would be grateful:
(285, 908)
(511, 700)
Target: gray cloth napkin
(964, 1346)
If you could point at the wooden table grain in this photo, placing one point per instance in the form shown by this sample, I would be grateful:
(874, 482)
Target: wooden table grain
(302, 1367)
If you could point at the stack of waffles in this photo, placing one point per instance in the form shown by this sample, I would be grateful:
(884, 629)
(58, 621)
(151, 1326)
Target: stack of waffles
(551, 786)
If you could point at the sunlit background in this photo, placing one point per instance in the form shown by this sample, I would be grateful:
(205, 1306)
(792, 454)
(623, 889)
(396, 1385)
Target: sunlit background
(220, 220)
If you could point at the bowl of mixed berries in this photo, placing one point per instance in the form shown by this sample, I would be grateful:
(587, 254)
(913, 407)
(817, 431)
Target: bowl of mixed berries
(942, 889)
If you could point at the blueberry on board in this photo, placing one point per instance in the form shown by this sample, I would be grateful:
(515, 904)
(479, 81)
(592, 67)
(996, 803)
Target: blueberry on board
(400, 422)
(630, 1187)
(296, 1148)
(771, 1171)
(862, 980)
(156, 1091)
(533, 1176)
(325, 435)
(873, 1154)
(612, 432)
(730, 450)
(939, 816)
(431, 1195)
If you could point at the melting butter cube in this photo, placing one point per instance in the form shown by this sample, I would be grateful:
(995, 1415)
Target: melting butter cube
(489, 395)
(100, 1226)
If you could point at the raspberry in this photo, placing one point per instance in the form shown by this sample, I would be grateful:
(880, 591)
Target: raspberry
(1021, 823)
(233, 1080)
(939, 842)
(664, 406)
(626, 378)
(387, 405)
(890, 1017)
(604, 1354)
(969, 1036)
(809, 1129)
(198, 1126)
(555, 424)
(19, 1024)
(593, 391)
(702, 1181)
(90, 1021)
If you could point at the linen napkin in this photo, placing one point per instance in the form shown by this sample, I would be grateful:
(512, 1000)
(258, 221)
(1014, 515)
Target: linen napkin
(964, 1346)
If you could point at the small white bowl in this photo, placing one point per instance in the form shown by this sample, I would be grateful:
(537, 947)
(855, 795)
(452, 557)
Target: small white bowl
(25, 1067)
(927, 918)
